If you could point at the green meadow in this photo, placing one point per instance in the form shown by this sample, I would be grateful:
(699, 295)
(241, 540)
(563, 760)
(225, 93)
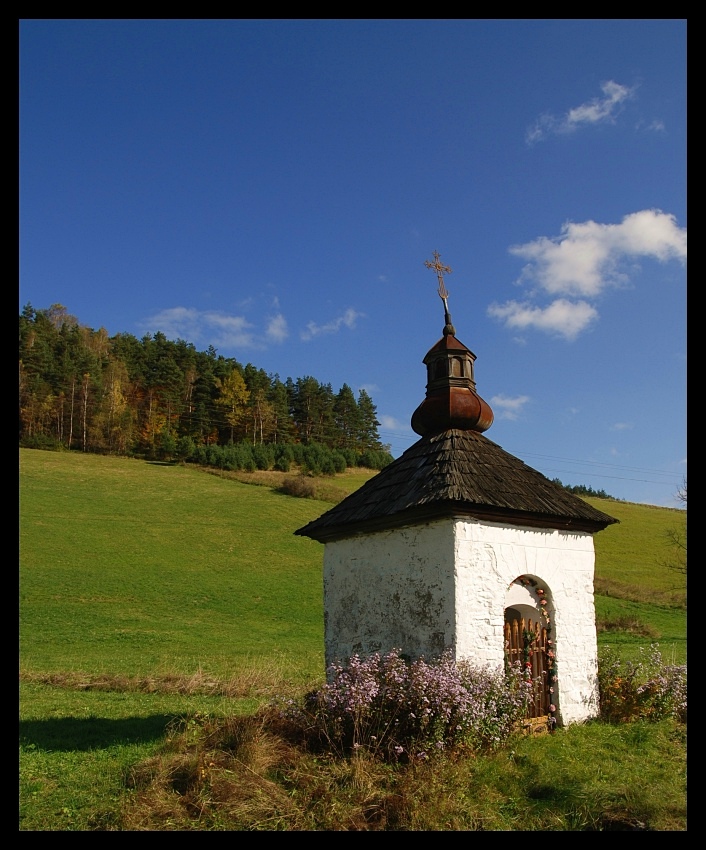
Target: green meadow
(150, 592)
(132, 567)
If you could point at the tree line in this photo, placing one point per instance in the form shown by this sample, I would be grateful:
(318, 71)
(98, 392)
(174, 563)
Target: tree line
(152, 397)
(583, 490)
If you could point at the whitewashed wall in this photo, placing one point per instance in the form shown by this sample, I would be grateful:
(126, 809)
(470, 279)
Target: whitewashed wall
(445, 584)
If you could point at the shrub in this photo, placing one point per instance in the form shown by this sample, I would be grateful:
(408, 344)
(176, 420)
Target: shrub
(375, 459)
(41, 441)
(402, 710)
(283, 464)
(284, 457)
(264, 456)
(339, 461)
(647, 689)
(299, 486)
(185, 448)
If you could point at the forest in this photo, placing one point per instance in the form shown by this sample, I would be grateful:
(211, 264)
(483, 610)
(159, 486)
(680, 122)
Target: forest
(84, 390)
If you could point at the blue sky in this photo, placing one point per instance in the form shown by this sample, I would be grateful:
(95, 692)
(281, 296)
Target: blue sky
(274, 188)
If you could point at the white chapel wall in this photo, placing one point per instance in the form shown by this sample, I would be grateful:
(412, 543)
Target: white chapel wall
(488, 557)
(445, 583)
(390, 590)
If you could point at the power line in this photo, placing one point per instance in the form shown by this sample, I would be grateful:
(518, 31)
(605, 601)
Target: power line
(601, 463)
(609, 466)
(615, 477)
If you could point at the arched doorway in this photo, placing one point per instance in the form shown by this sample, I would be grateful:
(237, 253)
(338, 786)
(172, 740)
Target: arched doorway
(528, 641)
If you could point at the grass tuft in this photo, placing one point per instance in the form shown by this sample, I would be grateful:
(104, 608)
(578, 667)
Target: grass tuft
(626, 623)
(256, 681)
(249, 777)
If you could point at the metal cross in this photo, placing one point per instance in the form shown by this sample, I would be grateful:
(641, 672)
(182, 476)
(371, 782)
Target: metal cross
(440, 269)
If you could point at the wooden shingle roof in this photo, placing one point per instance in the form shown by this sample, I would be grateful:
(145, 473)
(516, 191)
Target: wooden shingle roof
(456, 473)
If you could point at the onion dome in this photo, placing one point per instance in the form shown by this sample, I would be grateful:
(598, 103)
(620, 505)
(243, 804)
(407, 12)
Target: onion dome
(451, 398)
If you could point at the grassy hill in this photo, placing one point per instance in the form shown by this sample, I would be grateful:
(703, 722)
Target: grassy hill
(149, 591)
(130, 567)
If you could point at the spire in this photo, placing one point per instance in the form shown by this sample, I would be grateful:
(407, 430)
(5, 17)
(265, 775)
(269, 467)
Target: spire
(451, 398)
(439, 268)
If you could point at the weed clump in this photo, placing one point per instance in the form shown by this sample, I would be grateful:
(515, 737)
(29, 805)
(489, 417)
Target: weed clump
(299, 486)
(628, 624)
(406, 711)
(647, 689)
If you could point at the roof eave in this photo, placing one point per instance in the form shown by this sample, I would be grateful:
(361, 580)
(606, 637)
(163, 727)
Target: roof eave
(428, 513)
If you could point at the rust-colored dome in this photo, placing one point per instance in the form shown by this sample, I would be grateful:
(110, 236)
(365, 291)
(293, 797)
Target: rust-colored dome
(451, 400)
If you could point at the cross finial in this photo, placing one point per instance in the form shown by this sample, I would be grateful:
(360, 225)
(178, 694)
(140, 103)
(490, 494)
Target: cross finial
(440, 270)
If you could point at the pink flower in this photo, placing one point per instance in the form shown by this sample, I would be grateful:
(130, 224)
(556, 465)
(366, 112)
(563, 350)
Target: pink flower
(552, 708)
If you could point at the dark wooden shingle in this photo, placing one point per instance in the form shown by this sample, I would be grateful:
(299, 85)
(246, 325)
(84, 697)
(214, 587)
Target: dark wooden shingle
(456, 473)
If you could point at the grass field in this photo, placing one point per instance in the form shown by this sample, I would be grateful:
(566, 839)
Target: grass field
(152, 591)
(130, 567)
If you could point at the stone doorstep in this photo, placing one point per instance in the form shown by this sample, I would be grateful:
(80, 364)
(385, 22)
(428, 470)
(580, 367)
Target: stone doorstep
(535, 725)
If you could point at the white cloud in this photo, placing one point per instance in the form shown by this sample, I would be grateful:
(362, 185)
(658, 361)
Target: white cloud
(210, 327)
(622, 426)
(506, 407)
(595, 111)
(228, 331)
(586, 257)
(580, 263)
(348, 319)
(561, 317)
(277, 328)
(389, 423)
(656, 126)
(176, 321)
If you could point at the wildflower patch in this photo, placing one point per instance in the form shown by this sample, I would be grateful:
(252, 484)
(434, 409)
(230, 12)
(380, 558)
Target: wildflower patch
(408, 710)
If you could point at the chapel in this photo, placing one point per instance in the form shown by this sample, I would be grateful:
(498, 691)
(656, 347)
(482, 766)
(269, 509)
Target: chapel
(458, 545)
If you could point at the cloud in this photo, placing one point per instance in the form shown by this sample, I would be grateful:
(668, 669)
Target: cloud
(656, 126)
(583, 261)
(277, 328)
(508, 408)
(348, 319)
(211, 327)
(596, 111)
(389, 423)
(561, 317)
(622, 426)
(585, 258)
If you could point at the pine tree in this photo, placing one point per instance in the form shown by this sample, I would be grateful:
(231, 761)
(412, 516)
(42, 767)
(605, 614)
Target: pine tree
(368, 434)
